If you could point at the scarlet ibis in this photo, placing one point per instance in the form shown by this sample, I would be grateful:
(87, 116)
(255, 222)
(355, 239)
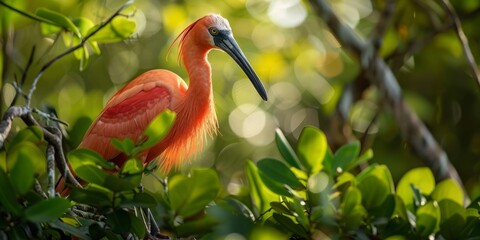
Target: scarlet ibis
(130, 110)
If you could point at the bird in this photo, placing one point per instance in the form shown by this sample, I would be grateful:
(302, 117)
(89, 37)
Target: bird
(130, 110)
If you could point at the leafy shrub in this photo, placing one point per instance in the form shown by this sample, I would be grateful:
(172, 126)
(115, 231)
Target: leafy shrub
(310, 193)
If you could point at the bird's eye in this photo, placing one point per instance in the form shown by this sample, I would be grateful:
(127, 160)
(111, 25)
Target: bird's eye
(213, 31)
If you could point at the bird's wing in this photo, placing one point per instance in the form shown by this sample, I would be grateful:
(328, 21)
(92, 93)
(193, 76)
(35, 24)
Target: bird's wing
(130, 110)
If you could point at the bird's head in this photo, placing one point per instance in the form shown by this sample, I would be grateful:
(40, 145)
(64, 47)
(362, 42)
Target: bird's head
(214, 32)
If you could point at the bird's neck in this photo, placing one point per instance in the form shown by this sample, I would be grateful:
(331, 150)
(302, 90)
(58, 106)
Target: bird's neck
(199, 73)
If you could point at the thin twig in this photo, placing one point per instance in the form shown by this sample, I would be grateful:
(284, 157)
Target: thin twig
(54, 137)
(72, 49)
(463, 39)
(28, 15)
(27, 67)
(363, 139)
(49, 117)
(18, 86)
(38, 189)
(382, 25)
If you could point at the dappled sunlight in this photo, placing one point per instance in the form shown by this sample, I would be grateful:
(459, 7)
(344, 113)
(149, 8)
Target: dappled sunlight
(267, 37)
(307, 67)
(351, 11)
(287, 13)
(285, 95)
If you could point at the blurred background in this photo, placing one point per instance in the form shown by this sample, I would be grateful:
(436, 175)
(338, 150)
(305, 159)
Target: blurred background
(302, 66)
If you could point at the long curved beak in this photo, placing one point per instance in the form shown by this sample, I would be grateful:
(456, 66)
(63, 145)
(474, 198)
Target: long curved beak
(227, 43)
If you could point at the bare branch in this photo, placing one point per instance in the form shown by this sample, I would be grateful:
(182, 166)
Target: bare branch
(54, 137)
(380, 75)
(6, 123)
(38, 189)
(463, 39)
(51, 171)
(382, 25)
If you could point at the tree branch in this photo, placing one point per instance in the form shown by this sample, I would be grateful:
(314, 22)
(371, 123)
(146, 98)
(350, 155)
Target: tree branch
(463, 40)
(51, 171)
(382, 25)
(380, 75)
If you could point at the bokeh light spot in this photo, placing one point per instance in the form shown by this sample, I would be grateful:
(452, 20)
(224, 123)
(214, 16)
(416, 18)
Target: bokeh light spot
(287, 13)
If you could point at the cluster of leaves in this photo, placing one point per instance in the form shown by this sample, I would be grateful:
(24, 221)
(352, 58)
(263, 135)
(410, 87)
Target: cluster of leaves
(310, 193)
(317, 192)
(82, 31)
(21, 207)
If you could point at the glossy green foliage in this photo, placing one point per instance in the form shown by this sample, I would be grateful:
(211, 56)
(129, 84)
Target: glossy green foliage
(189, 195)
(24, 206)
(339, 201)
(305, 191)
(83, 31)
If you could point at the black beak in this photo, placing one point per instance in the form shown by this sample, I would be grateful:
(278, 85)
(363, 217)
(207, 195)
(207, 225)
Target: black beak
(225, 41)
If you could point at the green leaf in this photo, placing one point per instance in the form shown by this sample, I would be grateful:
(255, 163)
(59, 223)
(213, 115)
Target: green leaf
(448, 189)
(353, 211)
(344, 181)
(300, 212)
(376, 184)
(275, 187)
(58, 19)
(31, 134)
(312, 147)
(120, 221)
(28, 150)
(278, 172)
(143, 199)
(95, 47)
(197, 226)
(428, 219)
(47, 210)
(82, 157)
(260, 194)
(118, 29)
(92, 195)
(91, 174)
(345, 156)
(117, 184)
(126, 145)
(422, 178)
(22, 175)
(83, 25)
(286, 150)
(137, 226)
(367, 155)
(48, 29)
(453, 219)
(352, 197)
(7, 195)
(280, 208)
(189, 195)
(132, 171)
(57, 224)
(400, 209)
(288, 224)
(83, 57)
(384, 210)
(158, 128)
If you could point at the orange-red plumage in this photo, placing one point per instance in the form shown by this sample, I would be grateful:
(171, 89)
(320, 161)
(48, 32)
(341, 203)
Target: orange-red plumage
(132, 108)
